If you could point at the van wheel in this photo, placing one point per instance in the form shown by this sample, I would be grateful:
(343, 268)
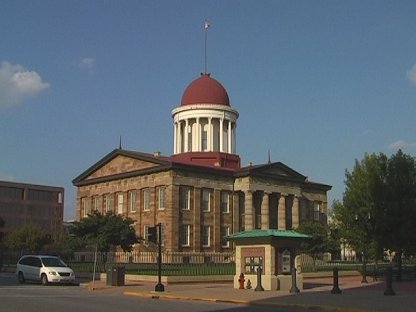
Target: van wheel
(21, 277)
(44, 279)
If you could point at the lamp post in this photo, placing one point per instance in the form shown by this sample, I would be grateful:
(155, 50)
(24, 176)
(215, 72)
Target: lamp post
(159, 286)
(364, 224)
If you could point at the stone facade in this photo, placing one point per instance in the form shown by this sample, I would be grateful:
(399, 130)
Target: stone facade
(198, 205)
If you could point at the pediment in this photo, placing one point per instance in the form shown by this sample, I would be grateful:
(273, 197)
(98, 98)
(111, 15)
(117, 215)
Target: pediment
(275, 170)
(120, 164)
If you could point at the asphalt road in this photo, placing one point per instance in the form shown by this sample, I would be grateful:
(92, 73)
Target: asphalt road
(35, 297)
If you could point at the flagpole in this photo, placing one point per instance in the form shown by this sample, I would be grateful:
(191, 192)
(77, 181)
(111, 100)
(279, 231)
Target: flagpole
(206, 26)
(206, 36)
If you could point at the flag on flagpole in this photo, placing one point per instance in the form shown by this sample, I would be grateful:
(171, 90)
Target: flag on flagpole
(207, 24)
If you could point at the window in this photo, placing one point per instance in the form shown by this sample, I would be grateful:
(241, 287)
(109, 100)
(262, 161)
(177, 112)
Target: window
(85, 206)
(184, 198)
(316, 210)
(206, 236)
(107, 202)
(205, 200)
(132, 201)
(225, 202)
(146, 199)
(204, 138)
(95, 203)
(161, 197)
(60, 196)
(225, 231)
(146, 232)
(185, 235)
(189, 139)
(120, 203)
(11, 192)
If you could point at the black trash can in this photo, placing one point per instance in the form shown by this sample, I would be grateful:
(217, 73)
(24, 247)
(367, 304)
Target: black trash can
(119, 276)
(109, 277)
(116, 276)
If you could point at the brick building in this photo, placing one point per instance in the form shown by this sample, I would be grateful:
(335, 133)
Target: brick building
(200, 194)
(23, 204)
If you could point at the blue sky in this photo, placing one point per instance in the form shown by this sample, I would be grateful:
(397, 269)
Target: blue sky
(318, 83)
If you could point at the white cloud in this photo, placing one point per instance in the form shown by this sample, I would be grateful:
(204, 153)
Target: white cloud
(17, 84)
(411, 74)
(87, 63)
(401, 144)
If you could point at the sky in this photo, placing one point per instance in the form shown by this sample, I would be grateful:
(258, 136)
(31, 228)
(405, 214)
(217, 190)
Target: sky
(316, 83)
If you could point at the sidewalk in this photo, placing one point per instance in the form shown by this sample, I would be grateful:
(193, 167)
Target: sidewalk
(316, 295)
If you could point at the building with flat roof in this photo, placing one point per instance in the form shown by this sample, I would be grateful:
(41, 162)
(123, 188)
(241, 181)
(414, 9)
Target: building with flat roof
(23, 204)
(200, 194)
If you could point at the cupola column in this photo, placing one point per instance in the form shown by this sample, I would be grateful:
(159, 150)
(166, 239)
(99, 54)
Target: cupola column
(234, 150)
(221, 135)
(210, 136)
(229, 145)
(175, 138)
(179, 147)
(186, 145)
(198, 135)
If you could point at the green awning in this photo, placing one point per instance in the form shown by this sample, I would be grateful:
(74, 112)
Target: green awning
(268, 233)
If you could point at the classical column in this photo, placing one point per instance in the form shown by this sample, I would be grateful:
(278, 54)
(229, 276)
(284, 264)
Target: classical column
(210, 143)
(175, 137)
(229, 146)
(221, 135)
(248, 204)
(234, 150)
(186, 145)
(265, 212)
(295, 212)
(180, 138)
(198, 135)
(281, 212)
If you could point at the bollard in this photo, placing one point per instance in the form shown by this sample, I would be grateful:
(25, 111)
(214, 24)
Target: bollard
(389, 282)
(241, 280)
(335, 289)
(259, 287)
(294, 288)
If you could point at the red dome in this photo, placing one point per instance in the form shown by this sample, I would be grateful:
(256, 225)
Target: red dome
(205, 90)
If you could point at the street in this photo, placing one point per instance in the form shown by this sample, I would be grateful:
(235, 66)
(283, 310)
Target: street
(35, 297)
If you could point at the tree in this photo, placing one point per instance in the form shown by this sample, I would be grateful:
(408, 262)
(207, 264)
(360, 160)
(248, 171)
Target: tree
(105, 231)
(318, 244)
(65, 246)
(398, 209)
(379, 206)
(28, 238)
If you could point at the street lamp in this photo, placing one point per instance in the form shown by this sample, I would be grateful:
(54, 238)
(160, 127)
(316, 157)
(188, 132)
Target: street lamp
(363, 222)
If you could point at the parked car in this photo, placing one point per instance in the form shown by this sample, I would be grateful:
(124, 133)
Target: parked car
(43, 268)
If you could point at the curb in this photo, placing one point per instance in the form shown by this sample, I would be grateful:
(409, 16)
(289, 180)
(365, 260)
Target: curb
(155, 295)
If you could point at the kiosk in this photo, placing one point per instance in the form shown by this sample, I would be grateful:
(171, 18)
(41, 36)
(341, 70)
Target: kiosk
(273, 251)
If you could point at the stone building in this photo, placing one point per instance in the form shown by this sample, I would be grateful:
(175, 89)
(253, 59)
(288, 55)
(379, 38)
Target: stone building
(200, 194)
(27, 204)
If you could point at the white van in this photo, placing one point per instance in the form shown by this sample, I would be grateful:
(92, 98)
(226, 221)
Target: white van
(46, 269)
